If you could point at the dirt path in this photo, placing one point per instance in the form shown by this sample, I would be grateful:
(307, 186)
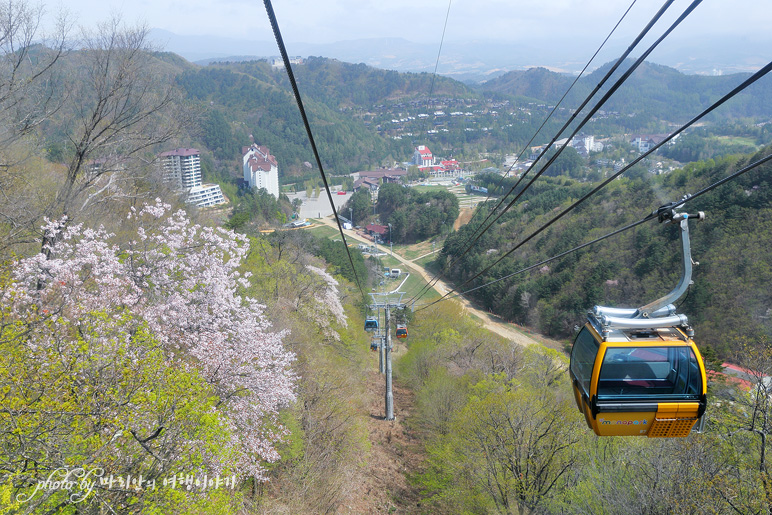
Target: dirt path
(395, 453)
(489, 320)
(463, 218)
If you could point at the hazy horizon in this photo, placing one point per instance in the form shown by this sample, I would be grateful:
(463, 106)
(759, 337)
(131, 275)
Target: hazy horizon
(475, 59)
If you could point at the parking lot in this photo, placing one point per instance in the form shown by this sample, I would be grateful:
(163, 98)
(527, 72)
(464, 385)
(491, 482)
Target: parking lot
(319, 207)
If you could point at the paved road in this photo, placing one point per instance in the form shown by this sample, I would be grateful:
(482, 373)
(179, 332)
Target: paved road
(489, 321)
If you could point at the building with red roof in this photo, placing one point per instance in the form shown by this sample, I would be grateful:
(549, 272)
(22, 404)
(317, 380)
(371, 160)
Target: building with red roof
(450, 165)
(377, 231)
(261, 170)
(423, 157)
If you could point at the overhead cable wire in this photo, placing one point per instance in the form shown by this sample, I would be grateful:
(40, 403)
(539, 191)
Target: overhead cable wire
(557, 105)
(293, 83)
(753, 78)
(626, 75)
(439, 52)
(715, 185)
(647, 218)
(434, 279)
(437, 63)
(468, 245)
(553, 258)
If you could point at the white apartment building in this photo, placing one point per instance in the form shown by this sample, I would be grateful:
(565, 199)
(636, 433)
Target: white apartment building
(586, 144)
(261, 169)
(182, 166)
(206, 195)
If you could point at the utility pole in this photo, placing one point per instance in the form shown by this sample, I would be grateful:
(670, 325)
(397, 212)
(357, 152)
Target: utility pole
(381, 355)
(385, 356)
(389, 393)
(391, 243)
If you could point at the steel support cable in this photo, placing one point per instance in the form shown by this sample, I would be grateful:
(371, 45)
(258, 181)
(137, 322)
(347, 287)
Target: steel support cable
(753, 78)
(293, 83)
(649, 217)
(626, 75)
(555, 108)
(434, 279)
(548, 260)
(436, 66)
(715, 185)
(468, 245)
(439, 52)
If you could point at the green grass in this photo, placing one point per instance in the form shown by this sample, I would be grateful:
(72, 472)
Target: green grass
(426, 260)
(429, 188)
(412, 286)
(324, 231)
(410, 253)
(738, 140)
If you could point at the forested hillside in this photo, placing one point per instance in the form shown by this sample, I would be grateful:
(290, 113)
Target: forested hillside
(728, 300)
(652, 90)
(256, 105)
(253, 98)
(364, 117)
(154, 350)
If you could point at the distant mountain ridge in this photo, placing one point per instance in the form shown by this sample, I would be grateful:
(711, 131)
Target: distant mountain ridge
(362, 115)
(474, 60)
(659, 90)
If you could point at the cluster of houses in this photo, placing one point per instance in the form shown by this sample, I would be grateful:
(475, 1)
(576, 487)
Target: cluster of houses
(583, 144)
(182, 167)
(422, 158)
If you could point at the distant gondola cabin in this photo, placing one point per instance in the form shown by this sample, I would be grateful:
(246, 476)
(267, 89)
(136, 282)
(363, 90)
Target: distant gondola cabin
(371, 324)
(401, 331)
(638, 381)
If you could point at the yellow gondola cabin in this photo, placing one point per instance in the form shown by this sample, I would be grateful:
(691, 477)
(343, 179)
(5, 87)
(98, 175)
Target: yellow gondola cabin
(638, 381)
(637, 372)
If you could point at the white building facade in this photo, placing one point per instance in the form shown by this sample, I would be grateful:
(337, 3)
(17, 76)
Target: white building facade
(422, 157)
(182, 167)
(261, 170)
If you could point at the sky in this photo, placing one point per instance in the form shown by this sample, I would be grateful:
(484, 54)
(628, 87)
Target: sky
(421, 21)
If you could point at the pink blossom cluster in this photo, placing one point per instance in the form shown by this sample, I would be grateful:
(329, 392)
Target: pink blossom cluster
(182, 280)
(329, 301)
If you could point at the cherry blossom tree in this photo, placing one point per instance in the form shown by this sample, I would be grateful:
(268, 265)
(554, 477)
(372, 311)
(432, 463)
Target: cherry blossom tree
(180, 283)
(327, 304)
